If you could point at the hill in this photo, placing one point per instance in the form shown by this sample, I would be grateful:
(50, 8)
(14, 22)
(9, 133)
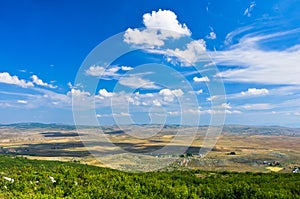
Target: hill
(227, 129)
(23, 178)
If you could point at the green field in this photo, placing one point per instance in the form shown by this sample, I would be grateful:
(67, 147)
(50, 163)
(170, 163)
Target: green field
(53, 179)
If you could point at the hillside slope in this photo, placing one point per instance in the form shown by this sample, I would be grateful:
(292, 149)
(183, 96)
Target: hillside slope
(23, 178)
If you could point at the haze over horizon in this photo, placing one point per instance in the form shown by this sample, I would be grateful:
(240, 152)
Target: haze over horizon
(254, 45)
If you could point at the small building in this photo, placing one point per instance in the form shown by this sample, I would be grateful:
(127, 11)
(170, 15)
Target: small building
(296, 170)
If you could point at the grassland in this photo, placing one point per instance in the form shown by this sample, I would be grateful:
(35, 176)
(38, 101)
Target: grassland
(254, 148)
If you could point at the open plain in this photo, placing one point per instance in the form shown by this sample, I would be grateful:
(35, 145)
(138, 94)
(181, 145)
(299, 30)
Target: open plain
(237, 148)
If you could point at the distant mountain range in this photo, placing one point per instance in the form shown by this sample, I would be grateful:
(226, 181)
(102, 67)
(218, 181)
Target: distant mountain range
(227, 129)
(30, 125)
(261, 130)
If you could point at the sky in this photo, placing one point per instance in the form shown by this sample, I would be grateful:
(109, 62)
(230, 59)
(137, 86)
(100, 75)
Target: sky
(146, 62)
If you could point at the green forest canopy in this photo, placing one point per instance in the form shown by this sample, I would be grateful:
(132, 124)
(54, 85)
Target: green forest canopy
(24, 178)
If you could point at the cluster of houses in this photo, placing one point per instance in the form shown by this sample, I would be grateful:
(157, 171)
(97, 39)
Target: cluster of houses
(15, 150)
(271, 163)
(296, 170)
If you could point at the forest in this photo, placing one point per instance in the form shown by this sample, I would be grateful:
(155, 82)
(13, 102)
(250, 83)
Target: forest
(24, 178)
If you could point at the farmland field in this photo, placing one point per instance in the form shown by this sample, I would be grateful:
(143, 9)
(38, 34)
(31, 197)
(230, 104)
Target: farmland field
(241, 149)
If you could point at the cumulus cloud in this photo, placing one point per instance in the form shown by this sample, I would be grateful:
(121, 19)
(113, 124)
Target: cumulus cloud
(163, 25)
(102, 72)
(6, 78)
(165, 19)
(201, 79)
(95, 70)
(77, 92)
(156, 102)
(146, 37)
(255, 91)
(159, 26)
(103, 92)
(193, 52)
(40, 82)
(126, 68)
(169, 95)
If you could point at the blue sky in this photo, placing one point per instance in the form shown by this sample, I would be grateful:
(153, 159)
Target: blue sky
(170, 77)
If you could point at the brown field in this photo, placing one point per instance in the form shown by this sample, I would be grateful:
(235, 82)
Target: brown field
(256, 152)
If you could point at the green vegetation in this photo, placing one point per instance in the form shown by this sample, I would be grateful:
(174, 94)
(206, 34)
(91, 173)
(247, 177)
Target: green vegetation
(23, 178)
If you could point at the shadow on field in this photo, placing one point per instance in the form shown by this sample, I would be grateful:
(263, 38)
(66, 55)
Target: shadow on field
(79, 149)
(59, 134)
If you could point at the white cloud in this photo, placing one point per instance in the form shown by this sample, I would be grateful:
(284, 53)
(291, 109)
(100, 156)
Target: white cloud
(146, 37)
(258, 106)
(6, 78)
(95, 71)
(64, 100)
(198, 92)
(212, 112)
(211, 98)
(122, 114)
(135, 81)
(40, 82)
(70, 85)
(102, 72)
(165, 19)
(193, 52)
(138, 99)
(22, 101)
(77, 92)
(248, 10)
(192, 111)
(156, 102)
(255, 91)
(105, 93)
(159, 26)
(126, 68)
(233, 112)
(168, 95)
(212, 35)
(40, 97)
(258, 64)
(226, 106)
(173, 113)
(201, 79)
(113, 70)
